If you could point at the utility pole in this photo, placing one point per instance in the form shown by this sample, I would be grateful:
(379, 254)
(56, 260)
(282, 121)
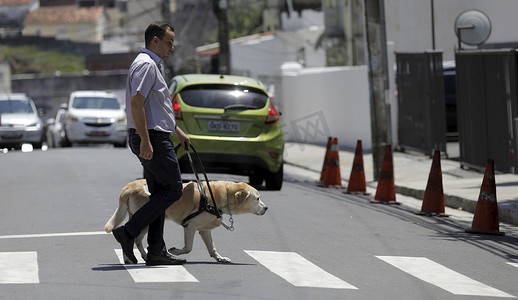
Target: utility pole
(220, 9)
(378, 80)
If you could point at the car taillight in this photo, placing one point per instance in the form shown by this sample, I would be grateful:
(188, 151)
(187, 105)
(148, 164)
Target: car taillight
(176, 108)
(273, 116)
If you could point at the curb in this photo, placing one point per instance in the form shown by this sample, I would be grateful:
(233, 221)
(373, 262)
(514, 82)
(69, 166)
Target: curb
(505, 215)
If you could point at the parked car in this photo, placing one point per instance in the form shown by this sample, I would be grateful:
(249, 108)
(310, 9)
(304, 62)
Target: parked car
(450, 99)
(95, 117)
(233, 125)
(55, 131)
(20, 122)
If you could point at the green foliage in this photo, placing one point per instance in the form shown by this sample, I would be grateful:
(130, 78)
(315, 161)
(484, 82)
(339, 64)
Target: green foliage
(31, 59)
(245, 17)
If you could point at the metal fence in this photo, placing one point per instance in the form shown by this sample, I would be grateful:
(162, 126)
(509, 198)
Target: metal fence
(421, 117)
(487, 108)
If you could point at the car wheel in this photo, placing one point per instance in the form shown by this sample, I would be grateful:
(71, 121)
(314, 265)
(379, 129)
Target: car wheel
(255, 179)
(37, 145)
(65, 142)
(274, 180)
(120, 145)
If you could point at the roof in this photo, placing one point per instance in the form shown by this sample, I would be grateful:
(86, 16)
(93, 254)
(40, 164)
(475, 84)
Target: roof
(93, 93)
(13, 96)
(65, 15)
(213, 49)
(14, 2)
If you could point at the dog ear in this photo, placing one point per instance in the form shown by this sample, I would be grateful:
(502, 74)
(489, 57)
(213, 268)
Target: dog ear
(241, 196)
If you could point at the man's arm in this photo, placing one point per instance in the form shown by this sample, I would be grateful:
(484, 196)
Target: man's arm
(139, 117)
(183, 138)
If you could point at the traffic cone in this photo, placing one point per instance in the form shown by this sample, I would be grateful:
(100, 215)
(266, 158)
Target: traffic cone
(485, 220)
(324, 166)
(433, 200)
(332, 176)
(357, 183)
(386, 190)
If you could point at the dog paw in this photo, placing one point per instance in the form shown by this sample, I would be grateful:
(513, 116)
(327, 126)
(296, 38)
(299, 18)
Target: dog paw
(223, 260)
(174, 251)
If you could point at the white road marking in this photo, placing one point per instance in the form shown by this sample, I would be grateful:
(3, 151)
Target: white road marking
(142, 273)
(297, 270)
(438, 275)
(513, 264)
(26, 236)
(19, 267)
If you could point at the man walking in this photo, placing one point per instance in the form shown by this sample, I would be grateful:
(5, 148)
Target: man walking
(150, 123)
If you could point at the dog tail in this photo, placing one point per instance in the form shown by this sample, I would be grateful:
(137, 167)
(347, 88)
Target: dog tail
(120, 213)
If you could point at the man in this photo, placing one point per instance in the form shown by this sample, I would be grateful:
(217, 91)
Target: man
(150, 123)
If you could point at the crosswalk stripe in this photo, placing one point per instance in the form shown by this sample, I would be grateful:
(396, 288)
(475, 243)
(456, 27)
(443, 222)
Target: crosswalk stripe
(436, 274)
(142, 273)
(297, 270)
(513, 264)
(19, 267)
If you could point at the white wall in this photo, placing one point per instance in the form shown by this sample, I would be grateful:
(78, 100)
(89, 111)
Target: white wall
(265, 55)
(320, 102)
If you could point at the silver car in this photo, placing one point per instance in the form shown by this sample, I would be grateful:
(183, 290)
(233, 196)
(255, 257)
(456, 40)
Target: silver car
(19, 122)
(95, 117)
(55, 132)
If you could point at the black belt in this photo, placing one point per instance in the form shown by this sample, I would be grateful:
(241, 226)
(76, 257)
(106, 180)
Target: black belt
(151, 132)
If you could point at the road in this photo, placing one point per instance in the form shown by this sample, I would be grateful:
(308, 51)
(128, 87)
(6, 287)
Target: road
(313, 243)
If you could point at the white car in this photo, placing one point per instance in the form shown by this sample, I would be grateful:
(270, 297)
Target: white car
(19, 121)
(95, 117)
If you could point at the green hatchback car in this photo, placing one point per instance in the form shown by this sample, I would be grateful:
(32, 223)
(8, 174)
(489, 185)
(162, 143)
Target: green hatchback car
(233, 125)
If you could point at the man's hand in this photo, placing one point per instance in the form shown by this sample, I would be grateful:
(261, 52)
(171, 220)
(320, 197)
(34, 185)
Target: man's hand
(185, 141)
(146, 150)
(139, 116)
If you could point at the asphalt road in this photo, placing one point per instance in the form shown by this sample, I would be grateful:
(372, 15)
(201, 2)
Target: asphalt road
(312, 243)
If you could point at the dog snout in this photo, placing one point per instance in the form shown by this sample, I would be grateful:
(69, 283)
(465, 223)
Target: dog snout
(263, 211)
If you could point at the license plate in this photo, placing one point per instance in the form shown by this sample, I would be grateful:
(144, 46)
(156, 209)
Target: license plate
(223, 126)
(98, 133)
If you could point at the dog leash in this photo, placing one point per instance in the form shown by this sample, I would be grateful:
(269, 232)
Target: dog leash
(204, 203)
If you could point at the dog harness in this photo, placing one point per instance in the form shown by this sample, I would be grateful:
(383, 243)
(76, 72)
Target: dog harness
(204, 201)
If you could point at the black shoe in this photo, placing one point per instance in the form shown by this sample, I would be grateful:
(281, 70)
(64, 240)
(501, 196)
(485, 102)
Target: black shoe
(126, 242)
(163, 259)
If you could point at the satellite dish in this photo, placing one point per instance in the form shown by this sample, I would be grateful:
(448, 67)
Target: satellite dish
(472, 27)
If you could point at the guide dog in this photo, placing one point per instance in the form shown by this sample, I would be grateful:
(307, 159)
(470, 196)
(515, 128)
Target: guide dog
(230, 197)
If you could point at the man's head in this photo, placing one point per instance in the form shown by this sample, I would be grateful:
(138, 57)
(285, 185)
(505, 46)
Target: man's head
(159, 38)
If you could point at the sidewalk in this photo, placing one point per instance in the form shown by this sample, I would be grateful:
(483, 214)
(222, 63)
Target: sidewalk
(461, 187)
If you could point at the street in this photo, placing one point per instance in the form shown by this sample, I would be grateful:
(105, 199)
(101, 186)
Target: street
(312, 243)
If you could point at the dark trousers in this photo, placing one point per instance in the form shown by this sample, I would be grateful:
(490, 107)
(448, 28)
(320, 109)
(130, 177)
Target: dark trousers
(162, 174)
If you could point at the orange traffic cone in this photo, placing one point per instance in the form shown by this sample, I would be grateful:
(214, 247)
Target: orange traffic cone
(357, 183)
(433, 200)
(324, 166)
(386, 190)
(486, 213)
(332, 176)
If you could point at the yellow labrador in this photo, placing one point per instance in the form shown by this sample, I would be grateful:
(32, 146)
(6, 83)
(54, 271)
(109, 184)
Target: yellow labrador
(230, 197)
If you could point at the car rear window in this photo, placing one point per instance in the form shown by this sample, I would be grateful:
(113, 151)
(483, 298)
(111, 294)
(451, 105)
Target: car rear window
(95, 103)
(224, 96)
(17, 106)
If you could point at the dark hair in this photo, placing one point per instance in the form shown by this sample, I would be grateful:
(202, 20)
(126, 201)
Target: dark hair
(157, 29)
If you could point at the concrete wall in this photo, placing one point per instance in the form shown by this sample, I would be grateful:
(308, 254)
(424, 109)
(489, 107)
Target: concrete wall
(409, 23)
(320, 102)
